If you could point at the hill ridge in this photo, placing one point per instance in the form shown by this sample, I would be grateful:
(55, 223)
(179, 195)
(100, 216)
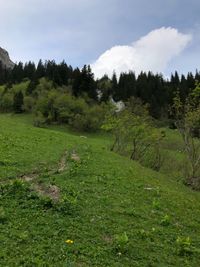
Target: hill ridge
(5, 59)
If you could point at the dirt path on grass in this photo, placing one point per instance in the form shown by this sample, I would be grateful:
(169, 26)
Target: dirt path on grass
(51, 191)
(62, 164)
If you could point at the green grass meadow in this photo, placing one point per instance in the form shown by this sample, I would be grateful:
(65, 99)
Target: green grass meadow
(116, 212)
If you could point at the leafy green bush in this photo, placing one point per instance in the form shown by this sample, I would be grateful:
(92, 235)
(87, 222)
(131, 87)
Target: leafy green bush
(61, 107)
(121, 242)
(29, 103)
(90, 119)
(6, 102)
(135, 134)
(39, 120)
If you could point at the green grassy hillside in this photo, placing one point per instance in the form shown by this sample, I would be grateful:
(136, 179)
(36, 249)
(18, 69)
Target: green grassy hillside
(57, 186)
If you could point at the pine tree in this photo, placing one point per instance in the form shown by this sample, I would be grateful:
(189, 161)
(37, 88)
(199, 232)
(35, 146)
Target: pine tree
(29, 70)
(115, 92)
(40, 71)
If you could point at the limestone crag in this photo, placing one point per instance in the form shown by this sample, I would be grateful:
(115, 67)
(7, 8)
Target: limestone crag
(5, 59)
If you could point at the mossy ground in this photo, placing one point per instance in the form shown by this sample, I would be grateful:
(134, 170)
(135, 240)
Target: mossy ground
(107, 195)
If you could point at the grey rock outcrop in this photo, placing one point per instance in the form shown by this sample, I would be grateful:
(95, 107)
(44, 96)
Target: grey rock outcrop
(5, 59)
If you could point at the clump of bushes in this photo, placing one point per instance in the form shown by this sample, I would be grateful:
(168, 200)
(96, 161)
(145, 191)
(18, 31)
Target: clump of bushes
(81, 113)
(121, 243)
(135, 134)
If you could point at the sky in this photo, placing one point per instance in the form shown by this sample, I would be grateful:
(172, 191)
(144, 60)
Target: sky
(112, 35)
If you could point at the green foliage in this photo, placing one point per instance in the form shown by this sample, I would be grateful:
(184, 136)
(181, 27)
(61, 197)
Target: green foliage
(104, 86)
(18, 102)
(184, 246)
(151, 88)
(29, 103)
(133, 131)
(22, 86)
(43, 86)
(121, 242)
(39, 120)
(57, 106)
(90, 119)
(187, 120)
(6, 102)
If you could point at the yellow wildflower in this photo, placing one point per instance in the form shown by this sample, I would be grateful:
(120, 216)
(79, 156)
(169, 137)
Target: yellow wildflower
(68, 241)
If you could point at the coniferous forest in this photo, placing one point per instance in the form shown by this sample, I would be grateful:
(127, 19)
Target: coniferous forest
(153, 89)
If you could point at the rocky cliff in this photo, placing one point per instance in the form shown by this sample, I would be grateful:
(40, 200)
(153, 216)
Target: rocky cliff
(5, 59)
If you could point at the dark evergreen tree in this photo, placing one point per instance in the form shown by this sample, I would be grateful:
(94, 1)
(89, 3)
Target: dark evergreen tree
(184, 90)
(115, 91)
(141, 87)
(2, 74)
(190, 81)
(64, 73)
(84, 83)
(29, 70)
(104, 86)
(40, 70)
(17, 73)
(76, 82)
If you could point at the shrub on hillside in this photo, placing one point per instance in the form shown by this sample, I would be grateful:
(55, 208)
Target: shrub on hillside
(39, 119)
(187, 120)
(29, 103)
(6, 102)
(134, 133)
(18, 102)
(61, 107)
(90, 119)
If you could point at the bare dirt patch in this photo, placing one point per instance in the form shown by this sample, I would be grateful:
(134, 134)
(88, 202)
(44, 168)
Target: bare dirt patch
(29, 177)
(75, 156)
(62, 165)
(52, 191)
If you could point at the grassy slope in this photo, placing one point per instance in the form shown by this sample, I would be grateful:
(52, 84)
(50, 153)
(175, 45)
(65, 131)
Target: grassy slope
(113, 198)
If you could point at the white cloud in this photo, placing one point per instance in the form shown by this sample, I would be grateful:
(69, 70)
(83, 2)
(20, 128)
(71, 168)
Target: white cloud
(152, 52)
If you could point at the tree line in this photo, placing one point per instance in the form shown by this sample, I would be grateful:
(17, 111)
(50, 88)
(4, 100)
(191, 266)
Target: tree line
(152, 89)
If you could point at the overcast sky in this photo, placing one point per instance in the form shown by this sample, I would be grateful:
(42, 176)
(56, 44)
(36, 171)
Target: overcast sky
(131, 34)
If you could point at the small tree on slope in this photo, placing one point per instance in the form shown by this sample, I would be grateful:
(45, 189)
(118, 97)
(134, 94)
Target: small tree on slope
(187, 121)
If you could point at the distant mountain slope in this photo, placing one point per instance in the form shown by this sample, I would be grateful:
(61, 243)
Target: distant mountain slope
(5, 59)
